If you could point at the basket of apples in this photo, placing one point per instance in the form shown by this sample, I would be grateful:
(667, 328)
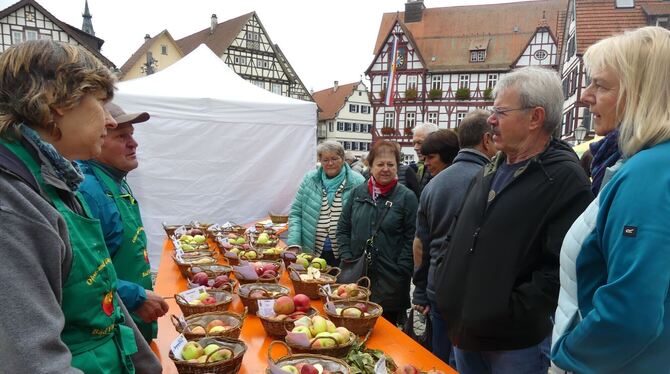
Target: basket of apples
(252, 292)
(184, 264)
(207, 301)
(194, 240)
(211, 281)
(237, 254)
(290, 254)
(210, 355)
(350, 291)
(228, 324)
(312, 280)
(304, 363)
(272, 253)
(263, 240)
(318, 335)
(357, 316)
(210, 270)
(287, 310)
(258, 272)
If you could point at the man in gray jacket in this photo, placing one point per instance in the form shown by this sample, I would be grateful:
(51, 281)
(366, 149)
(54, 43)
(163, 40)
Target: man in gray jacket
(439, 204)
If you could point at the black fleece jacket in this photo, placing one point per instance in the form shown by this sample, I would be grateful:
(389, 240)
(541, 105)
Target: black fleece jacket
(497, 284)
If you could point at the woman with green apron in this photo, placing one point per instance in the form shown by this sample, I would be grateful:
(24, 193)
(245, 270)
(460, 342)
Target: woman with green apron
(59, 306)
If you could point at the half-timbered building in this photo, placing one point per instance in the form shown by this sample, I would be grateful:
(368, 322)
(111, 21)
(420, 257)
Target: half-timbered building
(156, 53)
(449, 59)
(28, 20)
(587, 22)
(345, 116)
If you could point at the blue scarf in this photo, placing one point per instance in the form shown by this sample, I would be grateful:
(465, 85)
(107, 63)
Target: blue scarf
(332, 184)
(66, 170)
(605, 154)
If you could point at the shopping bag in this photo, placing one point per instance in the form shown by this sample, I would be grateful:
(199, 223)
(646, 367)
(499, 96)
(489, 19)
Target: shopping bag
(353, 270)
(425, 339)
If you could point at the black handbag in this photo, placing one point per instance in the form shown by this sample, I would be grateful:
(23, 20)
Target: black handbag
(353, 270)
(425, 339)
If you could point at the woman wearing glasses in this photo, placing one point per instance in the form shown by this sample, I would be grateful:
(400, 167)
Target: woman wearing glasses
(312, 222)
(387, 209)
(613, 311)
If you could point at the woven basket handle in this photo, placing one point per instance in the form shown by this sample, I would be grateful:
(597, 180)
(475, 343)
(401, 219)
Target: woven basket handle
(337, 344)
(265, 292)
(334, 271)
(292, 271)
(244, 315)
(220, 349)
(180, 299)
(279, 342)
(367, 280)
(175, 321)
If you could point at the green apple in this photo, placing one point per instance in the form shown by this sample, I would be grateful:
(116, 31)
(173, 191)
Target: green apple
(319, 263)
(330, 326)
(302, 261)
(319, 325)
(199, 239)
(187, 248)
(211, 348)
(291, 369)
(240, 240)
(323, 340)
(303, 330)
(192, 350)
(185, 238)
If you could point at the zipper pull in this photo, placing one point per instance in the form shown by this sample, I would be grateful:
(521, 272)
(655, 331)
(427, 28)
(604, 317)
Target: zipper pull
(474, 239)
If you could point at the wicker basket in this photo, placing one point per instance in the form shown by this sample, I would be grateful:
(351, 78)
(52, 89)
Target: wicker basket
(251, 302)
(231, 366)
(339, 350)
(363, 291)
(261, 279)
(186, 264)
(290, 254)
(360, 326)
(235, 229)
(223, 300)
(230, 286)
(333, 365)
(212, 271)
(234, 320)
(278, 328)
(278, 218)
(311, 287)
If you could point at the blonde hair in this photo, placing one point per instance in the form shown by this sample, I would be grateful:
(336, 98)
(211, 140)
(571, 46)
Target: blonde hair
(641, 60)
(40, 75)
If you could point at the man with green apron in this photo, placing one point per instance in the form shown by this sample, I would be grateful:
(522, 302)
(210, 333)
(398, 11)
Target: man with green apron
(112, 202)
(93, 331)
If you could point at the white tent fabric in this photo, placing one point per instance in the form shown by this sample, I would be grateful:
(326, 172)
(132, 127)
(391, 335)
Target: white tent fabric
(216, 148)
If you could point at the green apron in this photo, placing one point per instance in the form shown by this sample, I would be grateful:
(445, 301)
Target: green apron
(131, 260)
(93, 332)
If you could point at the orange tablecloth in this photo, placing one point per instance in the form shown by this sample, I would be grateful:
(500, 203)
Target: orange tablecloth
(385, 336)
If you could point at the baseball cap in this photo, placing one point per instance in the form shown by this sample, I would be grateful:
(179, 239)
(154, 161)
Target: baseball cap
(122, 117)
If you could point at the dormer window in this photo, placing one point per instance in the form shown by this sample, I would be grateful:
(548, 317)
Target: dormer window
(625, 3)
(478, 49)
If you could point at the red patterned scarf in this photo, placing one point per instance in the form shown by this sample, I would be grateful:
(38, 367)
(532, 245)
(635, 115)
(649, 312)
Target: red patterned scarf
(375, 189)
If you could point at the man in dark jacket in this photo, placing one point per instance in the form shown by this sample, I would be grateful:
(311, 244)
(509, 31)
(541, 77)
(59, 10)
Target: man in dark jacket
(499, 275)
(438, 206)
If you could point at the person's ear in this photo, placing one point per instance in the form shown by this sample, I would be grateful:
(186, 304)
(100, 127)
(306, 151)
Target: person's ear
(537, 118)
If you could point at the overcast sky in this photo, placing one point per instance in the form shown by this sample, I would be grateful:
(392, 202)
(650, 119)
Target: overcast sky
(323, 40)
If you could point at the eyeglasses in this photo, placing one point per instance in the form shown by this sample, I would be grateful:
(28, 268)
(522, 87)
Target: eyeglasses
(497, 112)
(331, 160)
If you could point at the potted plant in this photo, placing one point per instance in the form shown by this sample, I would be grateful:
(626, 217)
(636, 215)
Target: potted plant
(463, 93)
(435, 93)
(411, 93)
(408, 131)
(388, 130)
(488, 93)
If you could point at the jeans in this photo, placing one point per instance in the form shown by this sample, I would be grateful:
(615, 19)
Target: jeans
(531, 360)
(441, 344)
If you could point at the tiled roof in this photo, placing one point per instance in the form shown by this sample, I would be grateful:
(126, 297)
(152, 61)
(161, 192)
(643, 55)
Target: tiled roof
(444, 35)
(141, 52)
(657, 9)
(218, 41)
(331, 101)
(88, 41)
(598, 19)
(560, 30)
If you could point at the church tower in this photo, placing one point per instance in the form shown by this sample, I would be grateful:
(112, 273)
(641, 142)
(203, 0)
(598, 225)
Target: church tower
(87, 25)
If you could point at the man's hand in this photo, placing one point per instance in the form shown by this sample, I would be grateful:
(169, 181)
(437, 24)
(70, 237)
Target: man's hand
(152, 308)
(423, 309)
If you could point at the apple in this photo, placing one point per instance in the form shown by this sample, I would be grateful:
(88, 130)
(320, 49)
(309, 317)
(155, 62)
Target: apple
(352, 312)
(302, 330)
(222, 354)
(215, 322)
(192, 350)
(318, 325)
(290, 369)
(342, 331)
(187, 248)
(202, 359)
(251, 255)
(352, 289)
(211, 348)
(195, 302)
(308, 369)
(407, 369)
(301, 302)
(330, 326)
(269, 274)
(209, 300)
(341, 339)
(362, 306)
(323, 340)
(303, 321)
(199, 239)
(185, 238)
(198, 330)
(234, 250)
(240, 240)
(302, 261)
(284, 305)
(319, 263)
(217, 330)
(203, 296)
(200, 278)
(220, 281)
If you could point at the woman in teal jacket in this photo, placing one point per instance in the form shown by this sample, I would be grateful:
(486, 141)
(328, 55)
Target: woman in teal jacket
(392, 267)
(316, 209)
(613, 311)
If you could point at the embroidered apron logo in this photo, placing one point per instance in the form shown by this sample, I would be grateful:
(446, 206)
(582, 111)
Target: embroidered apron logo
(108, 304)
(102, 265)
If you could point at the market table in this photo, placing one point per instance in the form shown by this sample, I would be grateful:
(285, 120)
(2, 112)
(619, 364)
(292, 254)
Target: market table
(385, 336)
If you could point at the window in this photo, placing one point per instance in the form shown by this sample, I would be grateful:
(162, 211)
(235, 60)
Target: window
(275, 88)
(253, 40)
(353, 108)
(464, 81)
(436, 82)
(389, 119)
(459, 117)
(540, 54)
(330, 126)
(347, 126)
(164, 49)
(477, 55)
(365, 109)
(31, 35)
(566, 87)
(354, 146)
(365, 128)
(573, 82)
(347, 145)
(259, 84)
(356, 127)
(360, 93)
(625, 3)
(410, 120)
(663, 22)
(492, 80)
(571, 46)
(340, 126)
(45, 36)
(432, 117)
(17, 37)
(411, 81)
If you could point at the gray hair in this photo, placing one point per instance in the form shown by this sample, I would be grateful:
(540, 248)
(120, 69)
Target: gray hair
(330, 146)
(349, 156)
(425, 127)
(536, 87)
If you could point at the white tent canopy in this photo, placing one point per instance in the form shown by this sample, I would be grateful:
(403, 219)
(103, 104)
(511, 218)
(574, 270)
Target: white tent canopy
(216, 148)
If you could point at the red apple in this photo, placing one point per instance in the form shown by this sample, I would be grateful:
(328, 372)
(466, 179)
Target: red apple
(301, 302)
(269, 274)
(284, 305)
(220, 281)
(209, 300)
(362, 306)
(308, 369)
(200, 278)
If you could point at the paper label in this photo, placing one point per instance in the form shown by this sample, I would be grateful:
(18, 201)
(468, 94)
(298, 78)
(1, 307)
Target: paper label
(193, 293)
(266, 307)
(178, 345)
(214, 227)
(326, 287)
(179, 252)
(380, 366)
(251, 229)
(227, 225)
(179, 257)
(179, 231)
(182, 322)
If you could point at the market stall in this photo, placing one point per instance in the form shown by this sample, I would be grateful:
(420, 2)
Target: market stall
(385, 336)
